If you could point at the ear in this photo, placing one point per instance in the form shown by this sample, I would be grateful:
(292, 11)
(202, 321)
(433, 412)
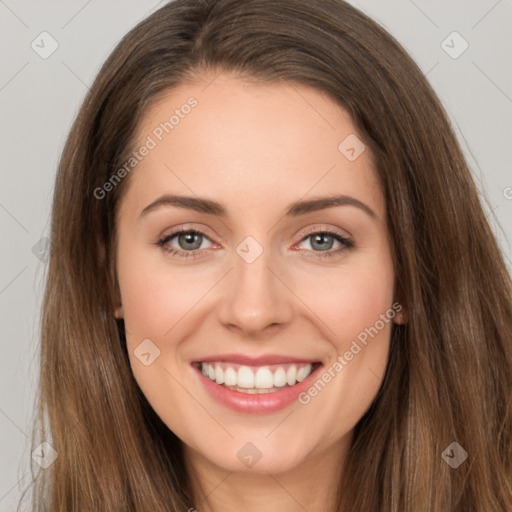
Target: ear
(118, 311)
(401, 312)
(101, 251)
(401, 315)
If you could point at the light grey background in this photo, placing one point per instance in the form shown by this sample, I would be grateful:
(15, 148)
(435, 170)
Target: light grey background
(40, 97)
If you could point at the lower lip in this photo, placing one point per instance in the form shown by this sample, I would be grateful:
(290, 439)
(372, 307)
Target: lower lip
(264, 403)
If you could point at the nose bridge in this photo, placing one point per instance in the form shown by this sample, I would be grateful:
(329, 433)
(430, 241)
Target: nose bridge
(255, 298)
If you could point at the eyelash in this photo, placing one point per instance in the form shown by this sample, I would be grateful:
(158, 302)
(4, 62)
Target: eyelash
(347, 244)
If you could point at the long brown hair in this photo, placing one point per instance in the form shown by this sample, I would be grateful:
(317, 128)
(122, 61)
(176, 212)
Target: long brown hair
(449, 375)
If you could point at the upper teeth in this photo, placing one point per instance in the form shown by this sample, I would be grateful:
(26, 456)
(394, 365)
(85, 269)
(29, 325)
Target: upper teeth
(262, 377)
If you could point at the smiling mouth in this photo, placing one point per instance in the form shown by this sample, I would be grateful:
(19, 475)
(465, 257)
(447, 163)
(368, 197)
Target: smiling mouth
(256, 379)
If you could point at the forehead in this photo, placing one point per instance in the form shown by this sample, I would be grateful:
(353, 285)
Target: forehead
(228, 138)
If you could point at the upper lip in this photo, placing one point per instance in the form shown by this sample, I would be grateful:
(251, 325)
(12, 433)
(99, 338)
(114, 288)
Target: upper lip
(253, 361)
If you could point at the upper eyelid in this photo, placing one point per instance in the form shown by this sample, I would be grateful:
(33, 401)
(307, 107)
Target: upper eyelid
(167, 238)
(331, 231)
(181, 229)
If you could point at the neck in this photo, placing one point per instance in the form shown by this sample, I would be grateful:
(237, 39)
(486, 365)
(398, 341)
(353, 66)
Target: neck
(311, 486)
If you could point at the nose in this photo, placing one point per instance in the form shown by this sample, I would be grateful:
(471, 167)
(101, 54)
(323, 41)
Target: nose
(255, 299)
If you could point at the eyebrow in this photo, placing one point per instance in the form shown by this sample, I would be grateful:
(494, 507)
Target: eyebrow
(295, 209)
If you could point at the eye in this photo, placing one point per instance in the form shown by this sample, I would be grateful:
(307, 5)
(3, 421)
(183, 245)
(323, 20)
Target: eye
(322, 243)
(184, 243)
(188, 243)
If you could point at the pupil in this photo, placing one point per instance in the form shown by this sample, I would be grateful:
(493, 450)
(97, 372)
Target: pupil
(320, 240)
(190, 238)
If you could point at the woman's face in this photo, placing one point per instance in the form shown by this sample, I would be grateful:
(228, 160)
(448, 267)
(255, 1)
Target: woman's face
(281, 298)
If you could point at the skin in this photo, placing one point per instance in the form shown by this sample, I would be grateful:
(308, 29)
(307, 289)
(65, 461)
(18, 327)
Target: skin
(255, 149)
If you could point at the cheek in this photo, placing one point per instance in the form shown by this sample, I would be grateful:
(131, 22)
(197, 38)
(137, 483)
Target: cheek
(154, 298)
(366, 297)
(355, 305)
(154, 302)
(348, 300)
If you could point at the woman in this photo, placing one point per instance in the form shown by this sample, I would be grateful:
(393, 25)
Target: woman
(271, 284)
